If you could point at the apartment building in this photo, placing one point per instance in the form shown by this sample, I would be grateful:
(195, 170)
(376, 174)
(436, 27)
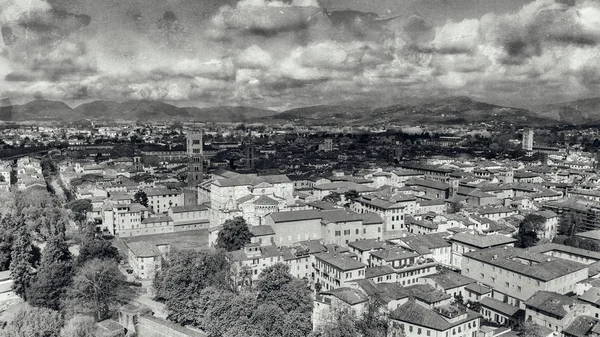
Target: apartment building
(161, 199)
(463, 243)
(335, 270)
(515, 274)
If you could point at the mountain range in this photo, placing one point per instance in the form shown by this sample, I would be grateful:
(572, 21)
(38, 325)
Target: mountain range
(443, 111)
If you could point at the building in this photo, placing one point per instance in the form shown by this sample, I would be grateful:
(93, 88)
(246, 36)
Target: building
(515, 274)
(392, 210)
(418, 321)
(528, 140)
(160, 200)
(144, 258)
(248, 262)
(336, 270)
(195, 169)
(553, 310)
(463, 243)
(501, 313)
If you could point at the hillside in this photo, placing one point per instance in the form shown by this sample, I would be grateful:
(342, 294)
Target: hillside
(579, 112)
(451, 110)
(131, 111)
(445, 111)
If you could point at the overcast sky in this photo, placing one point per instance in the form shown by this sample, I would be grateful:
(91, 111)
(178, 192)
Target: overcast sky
(283, 54)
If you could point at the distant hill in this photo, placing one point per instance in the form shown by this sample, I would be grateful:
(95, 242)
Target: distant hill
(132, 110)
(41, 110)
(444, 111)
(229, 114)
(579, 112)
(451, 110)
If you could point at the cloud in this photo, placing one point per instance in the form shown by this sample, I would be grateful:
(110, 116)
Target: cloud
(294, 52)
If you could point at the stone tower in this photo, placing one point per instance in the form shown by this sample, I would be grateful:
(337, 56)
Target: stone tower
(195, 169)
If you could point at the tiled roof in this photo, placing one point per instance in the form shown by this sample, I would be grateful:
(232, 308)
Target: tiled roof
(543, 268)
(555, 247)
(348, 295)
(393, 254)
(295, 215)
(261, 230)
(479, 289)
(482, 241)
(411, 312)
(427, 293)
(450, 280)
(434, 184)
(592, 295)
(188, 208)
(429, 241)
(366, 245)
(264, 200)
(143, 249)
(582, 326)
(554, 303)
(499, 306)
(372, 272)
(340, 261)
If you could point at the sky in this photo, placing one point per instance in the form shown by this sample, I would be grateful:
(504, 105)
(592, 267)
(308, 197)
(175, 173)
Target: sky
(281, 54)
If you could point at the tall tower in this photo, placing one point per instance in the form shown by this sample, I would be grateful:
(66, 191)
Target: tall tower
(195, 169)
(250, 155)
(528, 140)
(328, 145)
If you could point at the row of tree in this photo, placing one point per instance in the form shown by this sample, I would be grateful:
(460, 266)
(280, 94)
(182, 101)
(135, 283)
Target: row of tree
(64, 294)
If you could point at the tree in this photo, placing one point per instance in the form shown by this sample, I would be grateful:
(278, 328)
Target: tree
(79, 326)
(23, 261)
(275, 284)
(7, 229)
(97, 248)
(234, 235)
(141, 198)
(187, 273)
(80, 208)
(373, 322)
(529, 228)
(529, 329)
(333, 197)
(568, 223)
(33, 322)
(53, 276)
(97, 287)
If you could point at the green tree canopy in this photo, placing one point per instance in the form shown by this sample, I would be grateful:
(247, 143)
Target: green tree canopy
(79, 326)
(187, 273)
(94, 247)
(141, 198)
(33, 322)
(80, 208)
(529, 228)
(53, 275)
(23, 261)
(234, 235)
(98, 287)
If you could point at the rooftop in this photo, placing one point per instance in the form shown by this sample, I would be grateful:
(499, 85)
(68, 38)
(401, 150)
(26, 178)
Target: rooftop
(501, 307)
(340, 261)
(450, 280)
(520, 261)
(411, 312)
(482, 241)
(550, 302)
